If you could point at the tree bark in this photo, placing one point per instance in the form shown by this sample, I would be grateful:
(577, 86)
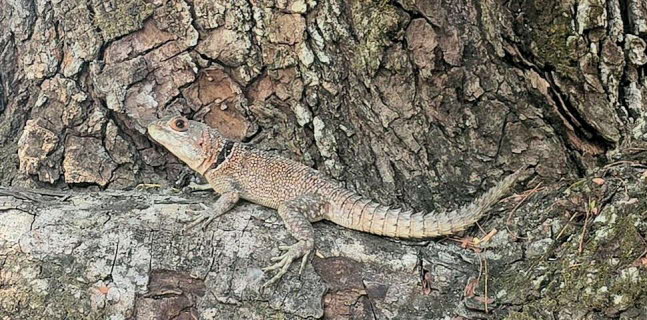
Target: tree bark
(421, 103)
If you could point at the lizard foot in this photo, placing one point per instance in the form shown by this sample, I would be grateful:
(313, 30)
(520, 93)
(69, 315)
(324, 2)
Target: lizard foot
(205, 218)
(223, 205)
(295, 251)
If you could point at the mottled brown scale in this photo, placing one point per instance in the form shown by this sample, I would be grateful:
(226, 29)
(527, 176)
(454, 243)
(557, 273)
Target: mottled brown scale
(301, 194)
(257, 175)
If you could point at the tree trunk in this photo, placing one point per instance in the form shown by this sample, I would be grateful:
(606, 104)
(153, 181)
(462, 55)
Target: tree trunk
(423, 103)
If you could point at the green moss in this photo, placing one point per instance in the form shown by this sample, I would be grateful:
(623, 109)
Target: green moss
(122, 17)
(64, 297)
(519, 316)
(375, 22)
(555, 42)
(601, 277)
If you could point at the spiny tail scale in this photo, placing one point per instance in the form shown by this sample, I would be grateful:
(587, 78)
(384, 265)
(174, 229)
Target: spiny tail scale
(353, 211)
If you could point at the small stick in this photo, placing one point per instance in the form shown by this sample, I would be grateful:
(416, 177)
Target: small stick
(486, 276)
(564, 227)
(489, 236)
(528, 194)
(635, 164)
(586, 220)
(480, 228)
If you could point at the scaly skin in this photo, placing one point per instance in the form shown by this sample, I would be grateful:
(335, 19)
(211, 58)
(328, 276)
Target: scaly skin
(301, 194)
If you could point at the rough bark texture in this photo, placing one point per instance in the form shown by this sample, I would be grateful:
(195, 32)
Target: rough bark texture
(571, 253)
(418, 102)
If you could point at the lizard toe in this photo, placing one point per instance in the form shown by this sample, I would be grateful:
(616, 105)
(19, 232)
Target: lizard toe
(278, 275)
(196, 222)
(303, 262)
(279, 258)
(204, 219)
(277, 265)
(301, 249)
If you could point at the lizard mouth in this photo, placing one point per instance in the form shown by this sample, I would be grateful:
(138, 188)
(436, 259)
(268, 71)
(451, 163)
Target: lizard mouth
(155, 131)
(153, 127)
(160, 135)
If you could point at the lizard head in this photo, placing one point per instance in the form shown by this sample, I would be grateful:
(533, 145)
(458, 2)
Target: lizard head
(192, 141)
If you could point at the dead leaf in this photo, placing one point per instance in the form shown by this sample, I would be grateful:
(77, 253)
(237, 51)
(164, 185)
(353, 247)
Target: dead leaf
(489, 236)
(467, 242)
(598, 181)
(426, 282)
(104, 289)
(483, 300)
(470, 288)
(641, 262)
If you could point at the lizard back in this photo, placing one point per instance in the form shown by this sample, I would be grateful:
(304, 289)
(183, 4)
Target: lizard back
(266, 178)
(270, 180)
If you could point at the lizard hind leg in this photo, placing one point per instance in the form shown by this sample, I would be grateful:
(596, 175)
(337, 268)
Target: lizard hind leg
(297, 215)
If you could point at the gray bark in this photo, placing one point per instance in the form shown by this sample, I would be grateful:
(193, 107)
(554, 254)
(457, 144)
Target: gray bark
(421, 103)
(569, 253)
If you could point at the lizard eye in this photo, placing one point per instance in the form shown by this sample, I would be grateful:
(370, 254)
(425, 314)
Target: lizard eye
(179, 124)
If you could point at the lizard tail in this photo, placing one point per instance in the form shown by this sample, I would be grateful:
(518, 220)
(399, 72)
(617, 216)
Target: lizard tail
(365, 215)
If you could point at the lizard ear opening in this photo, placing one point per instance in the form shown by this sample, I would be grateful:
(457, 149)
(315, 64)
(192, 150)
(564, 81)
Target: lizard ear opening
(179, 124)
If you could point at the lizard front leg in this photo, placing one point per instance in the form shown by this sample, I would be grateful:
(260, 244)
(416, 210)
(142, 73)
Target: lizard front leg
(226, 201)
(297, 216)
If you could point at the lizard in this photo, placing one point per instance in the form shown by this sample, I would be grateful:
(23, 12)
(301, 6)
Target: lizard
(300, 194)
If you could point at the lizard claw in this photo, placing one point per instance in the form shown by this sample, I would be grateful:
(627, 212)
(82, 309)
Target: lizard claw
(300, 249)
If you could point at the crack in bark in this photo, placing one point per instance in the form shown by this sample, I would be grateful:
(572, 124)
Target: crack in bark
(624, 15)
(413, 13)
(114, 261)
(102, 46)
(500, 142)
(213, 256)
(569, 121)
(150, 250)
(254, 26)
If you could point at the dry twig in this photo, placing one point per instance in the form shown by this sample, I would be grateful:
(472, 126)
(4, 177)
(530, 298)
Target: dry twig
(527, 195)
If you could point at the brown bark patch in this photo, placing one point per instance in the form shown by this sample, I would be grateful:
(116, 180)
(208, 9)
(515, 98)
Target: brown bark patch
(35, 145)
(347, 297)
(227, 46)
(221, 100)
(422, 41)
(86, 161)
(170, 295)
(286, 28)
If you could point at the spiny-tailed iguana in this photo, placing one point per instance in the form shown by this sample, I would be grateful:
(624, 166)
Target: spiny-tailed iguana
(301, 194)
